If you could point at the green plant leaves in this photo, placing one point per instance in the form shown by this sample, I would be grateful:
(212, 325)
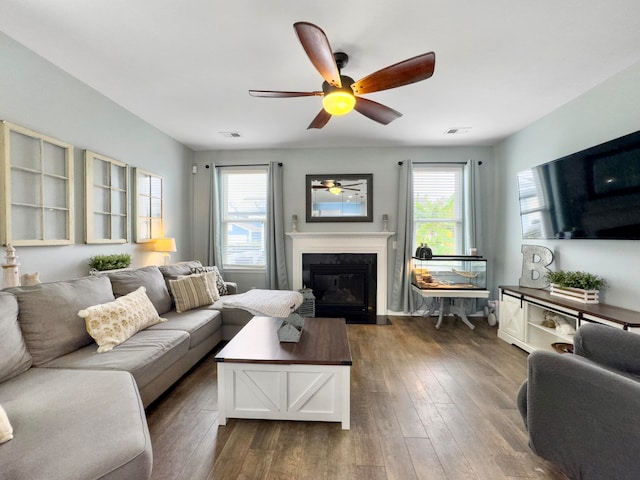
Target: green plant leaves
(584, 280)
(110, 262)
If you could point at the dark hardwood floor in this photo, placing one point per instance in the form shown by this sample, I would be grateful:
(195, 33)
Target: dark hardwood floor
(425, 404)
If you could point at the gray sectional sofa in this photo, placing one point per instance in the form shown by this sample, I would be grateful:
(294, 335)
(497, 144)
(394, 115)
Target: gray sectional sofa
(79, 414)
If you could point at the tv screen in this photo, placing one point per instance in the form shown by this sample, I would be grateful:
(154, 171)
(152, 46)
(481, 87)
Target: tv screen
(593, 194)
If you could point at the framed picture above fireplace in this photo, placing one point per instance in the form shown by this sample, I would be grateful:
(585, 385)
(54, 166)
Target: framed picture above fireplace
(340, 198)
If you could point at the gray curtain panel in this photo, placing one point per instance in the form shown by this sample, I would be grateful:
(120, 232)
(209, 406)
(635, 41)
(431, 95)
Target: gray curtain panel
(472, 226)
(275, 243)
(401, 296)
(214, 242)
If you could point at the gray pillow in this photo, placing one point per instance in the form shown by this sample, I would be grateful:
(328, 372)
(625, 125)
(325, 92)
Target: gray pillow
(14, 356)
(49, 318)
(181, 268)
(127, 281)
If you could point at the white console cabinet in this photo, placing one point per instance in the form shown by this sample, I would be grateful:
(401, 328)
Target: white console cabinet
(522, 311)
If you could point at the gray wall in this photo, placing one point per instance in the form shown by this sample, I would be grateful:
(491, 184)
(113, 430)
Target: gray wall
(40, 96)
(610, 110)
(381, 162)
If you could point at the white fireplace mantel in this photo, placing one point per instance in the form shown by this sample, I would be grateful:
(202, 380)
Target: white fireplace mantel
(344, 242)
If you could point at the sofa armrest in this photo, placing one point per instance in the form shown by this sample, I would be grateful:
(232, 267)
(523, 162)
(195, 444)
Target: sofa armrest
(608, 346)
(232, 288)
(580, 416)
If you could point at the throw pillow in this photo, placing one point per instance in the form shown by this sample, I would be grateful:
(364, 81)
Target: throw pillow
(191, 292)
(6, 430)
(210, 278)
(112, 323)
(222, 287)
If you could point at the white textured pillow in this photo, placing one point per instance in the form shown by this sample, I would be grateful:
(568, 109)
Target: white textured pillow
(112, 323)
(191, 291)
(6, 430)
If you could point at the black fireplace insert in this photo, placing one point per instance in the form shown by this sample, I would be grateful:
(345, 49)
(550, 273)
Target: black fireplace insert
(344, 285)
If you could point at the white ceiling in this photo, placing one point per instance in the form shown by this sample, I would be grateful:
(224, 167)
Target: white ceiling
(186, 66)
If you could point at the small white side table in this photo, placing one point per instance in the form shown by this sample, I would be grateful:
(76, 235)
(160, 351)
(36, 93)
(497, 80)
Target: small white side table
(438, 296)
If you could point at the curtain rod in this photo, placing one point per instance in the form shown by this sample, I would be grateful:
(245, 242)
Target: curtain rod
(443, 163)
(280, 164)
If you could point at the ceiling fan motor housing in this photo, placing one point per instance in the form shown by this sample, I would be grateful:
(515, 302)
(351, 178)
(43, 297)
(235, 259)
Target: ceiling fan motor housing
(327, 88)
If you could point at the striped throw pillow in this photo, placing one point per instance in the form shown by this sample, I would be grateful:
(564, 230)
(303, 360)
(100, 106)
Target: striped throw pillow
(191, 292)
(222, 287)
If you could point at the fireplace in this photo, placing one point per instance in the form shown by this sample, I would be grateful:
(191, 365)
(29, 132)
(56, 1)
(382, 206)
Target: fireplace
(344, 284)
(374, 243)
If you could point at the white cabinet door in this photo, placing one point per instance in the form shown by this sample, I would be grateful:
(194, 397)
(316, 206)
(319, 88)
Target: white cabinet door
(512, 317)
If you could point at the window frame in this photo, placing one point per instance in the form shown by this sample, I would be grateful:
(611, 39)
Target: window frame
(91, 187)
(155, 223)
(224, 220)
(39, 193)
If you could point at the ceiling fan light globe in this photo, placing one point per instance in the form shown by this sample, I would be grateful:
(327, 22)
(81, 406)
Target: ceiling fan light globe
(335, 190)
(338, 102)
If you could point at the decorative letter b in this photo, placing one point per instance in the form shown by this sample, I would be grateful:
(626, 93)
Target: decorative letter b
(535, 260)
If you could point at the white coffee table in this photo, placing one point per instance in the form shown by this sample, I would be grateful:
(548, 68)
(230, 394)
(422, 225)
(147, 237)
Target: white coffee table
(262, 378)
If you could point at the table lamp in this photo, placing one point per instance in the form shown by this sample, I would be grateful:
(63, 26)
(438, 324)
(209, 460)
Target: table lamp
(165, 245)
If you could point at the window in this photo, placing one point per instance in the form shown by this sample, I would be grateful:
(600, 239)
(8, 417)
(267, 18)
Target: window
(149, 206)
(107, 200)
(38, 188)
(438, 207)
(243, 215)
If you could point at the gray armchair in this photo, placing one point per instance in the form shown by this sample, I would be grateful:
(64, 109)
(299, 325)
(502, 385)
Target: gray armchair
(582, 411)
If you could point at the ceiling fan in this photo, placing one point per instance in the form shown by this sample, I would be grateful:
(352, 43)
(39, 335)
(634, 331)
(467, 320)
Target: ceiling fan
(335, 187)
(340, 93)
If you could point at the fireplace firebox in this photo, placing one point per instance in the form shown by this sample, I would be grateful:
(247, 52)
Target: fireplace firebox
(344, 284)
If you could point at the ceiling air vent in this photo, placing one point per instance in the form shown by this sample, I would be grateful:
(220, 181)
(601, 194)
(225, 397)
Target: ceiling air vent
(230, 134)
(457, 130)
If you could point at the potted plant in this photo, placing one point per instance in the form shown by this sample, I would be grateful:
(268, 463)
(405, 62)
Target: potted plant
(580, 286)
(109, 262)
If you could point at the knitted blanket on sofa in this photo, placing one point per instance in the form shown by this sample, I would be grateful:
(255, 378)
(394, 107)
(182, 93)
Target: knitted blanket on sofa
(268, 303)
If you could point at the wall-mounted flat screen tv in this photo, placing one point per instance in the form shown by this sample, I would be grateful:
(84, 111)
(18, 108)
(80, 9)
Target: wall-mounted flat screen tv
(592, 194)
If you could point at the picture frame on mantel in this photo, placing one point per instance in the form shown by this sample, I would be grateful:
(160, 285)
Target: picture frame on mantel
(339, 197)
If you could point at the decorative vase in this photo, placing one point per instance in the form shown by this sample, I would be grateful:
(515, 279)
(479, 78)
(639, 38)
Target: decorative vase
(576, 294)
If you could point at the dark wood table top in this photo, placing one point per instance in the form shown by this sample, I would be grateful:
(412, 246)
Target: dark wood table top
(323, 342)
(622, 316)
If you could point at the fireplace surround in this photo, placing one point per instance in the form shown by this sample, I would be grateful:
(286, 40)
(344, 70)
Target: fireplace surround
(344, 242)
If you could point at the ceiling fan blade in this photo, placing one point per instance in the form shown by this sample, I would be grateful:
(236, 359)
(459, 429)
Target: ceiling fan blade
(402, 73)
(320, 121)
(315, 43)
(376, 111)
(277, 94)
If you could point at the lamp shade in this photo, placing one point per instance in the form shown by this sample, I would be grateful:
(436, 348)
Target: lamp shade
(338, 102)
(167, 244)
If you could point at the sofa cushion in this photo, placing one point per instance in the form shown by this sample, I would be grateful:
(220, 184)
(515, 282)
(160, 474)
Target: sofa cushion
(151, 278)
(146, 355)
(181, 268)
(14, 356)
(74, 425)
(191, 292)
(48, 315)
(200, 324)
(112, 323)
